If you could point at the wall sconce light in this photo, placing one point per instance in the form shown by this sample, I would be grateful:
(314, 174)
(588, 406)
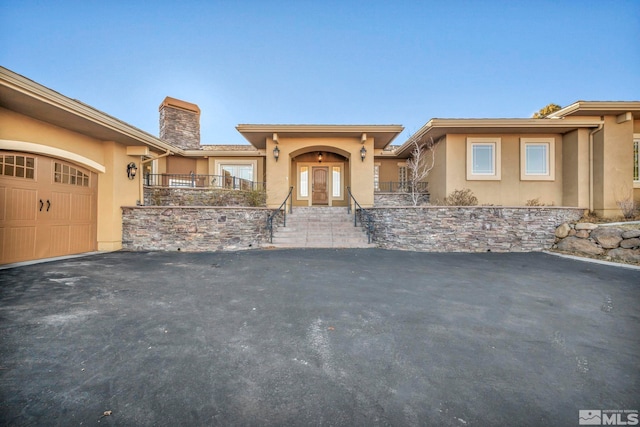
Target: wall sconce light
(363, 153)
(276, 153)
(131, 170)
(319, 157)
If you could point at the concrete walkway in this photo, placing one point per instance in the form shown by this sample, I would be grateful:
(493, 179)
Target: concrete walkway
(317, 337)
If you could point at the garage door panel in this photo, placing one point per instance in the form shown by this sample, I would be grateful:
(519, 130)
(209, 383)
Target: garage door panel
(20, 243)
(22, 204)
(60, 208)
(81, 238)
(59, 240)
(3, 204)
(81, 207)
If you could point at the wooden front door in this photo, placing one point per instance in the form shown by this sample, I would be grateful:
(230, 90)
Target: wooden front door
(319, 194)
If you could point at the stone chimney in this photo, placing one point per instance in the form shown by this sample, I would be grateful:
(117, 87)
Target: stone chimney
(180, 123)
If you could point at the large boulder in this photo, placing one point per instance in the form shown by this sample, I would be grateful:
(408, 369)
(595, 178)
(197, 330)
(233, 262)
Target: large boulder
(631, 234)
(580, 246)
(607, 237)
(628, 255)
(630, 243)
(563, 231)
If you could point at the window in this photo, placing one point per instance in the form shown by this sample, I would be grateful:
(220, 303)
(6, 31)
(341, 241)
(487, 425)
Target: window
(17, 166)
(303, 186)
(335, 182)
(636, 160)
(483, 158)
(66, 174)
(376, 177)
(237, 175)
(537, 159)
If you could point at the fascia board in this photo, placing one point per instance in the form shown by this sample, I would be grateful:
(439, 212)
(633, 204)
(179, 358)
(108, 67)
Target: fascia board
(48, 96)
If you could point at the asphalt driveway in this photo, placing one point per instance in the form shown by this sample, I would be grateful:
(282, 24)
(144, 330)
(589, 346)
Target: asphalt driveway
(317, 337)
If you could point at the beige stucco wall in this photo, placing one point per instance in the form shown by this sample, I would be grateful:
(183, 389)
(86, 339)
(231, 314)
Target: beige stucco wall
(389, 169)
(109, 160)
(509, 190)
(613, 165)
(575, 168)
(279, 173)
(437, 178)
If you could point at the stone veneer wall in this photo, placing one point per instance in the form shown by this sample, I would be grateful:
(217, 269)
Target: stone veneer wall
(180, 127)
(194, 229)
(398, 199)
(469, 229)
(584, 238)
(185, 196)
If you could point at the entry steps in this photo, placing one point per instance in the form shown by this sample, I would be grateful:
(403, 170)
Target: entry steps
(320, 227)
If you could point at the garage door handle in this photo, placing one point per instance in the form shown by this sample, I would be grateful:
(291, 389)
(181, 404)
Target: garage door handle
(41, 205)
(48, 205)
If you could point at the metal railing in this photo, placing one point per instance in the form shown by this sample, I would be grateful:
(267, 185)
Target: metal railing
(366, 220)
(278, 210)
(193, 180)
(400, 187)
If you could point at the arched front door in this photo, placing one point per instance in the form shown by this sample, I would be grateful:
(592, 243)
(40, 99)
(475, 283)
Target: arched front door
(319, 194)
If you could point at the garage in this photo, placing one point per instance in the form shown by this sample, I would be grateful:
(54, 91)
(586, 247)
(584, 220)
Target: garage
(47, 207)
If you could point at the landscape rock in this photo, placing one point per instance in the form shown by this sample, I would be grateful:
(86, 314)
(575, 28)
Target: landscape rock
(629, 255)
(582, 246)
(630, 234)
(586, 226)
(583, 234)
(630, 243)
(607, 237)
(563, 231)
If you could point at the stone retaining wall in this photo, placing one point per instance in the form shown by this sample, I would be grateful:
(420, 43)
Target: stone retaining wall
(195, 229)
(469, 229)
(186, 196)
(613, 242)
(398, 199)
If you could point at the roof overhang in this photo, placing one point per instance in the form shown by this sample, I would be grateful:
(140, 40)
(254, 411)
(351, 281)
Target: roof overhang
(437, 128)
(24, 96)
(257, 134)
(599, 108)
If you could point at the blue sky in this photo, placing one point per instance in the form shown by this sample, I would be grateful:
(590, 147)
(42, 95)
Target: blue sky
(324, 61)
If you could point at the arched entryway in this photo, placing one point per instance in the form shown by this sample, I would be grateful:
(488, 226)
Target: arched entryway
(320, 176)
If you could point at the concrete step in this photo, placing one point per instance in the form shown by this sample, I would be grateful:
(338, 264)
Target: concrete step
(319, 227)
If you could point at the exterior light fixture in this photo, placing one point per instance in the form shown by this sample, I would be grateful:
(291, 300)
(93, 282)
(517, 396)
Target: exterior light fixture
(131, 170)
(319, 157)
(276, 153)
(363, 153)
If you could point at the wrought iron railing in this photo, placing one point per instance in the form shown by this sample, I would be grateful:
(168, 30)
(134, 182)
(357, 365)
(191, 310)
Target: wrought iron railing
(283, 209)
(194, 180)
(366, 220)
(400, 187)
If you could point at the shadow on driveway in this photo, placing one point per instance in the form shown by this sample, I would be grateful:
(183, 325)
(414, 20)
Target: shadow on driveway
(317, 337)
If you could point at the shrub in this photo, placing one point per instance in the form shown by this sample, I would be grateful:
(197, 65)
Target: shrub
(534, 202)
(462, 197)
(628, 206)
(256, 198)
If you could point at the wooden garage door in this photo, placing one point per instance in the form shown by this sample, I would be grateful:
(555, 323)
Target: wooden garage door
(47, 208)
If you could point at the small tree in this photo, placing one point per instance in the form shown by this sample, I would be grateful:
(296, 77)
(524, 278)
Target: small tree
(422, 160)
(546, 110)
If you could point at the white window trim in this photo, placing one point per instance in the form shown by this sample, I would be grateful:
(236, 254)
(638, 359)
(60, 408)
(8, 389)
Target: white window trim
(551, 159)
(218, 164)
(497, 159)
(376, 176)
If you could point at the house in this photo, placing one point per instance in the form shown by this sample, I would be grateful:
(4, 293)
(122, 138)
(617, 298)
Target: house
(66, 169)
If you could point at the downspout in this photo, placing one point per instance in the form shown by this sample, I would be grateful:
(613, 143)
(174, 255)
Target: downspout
(141, 176)
(593, 132)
